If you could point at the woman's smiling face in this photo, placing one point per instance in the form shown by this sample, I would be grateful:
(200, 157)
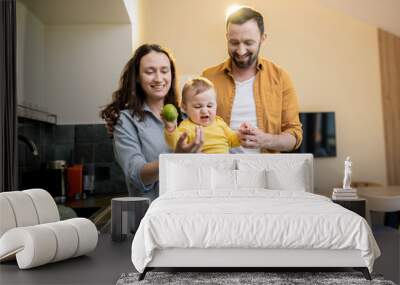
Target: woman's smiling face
(155, 75)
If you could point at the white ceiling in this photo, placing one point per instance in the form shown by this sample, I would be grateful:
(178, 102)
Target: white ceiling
(384, 14)
(64, 12)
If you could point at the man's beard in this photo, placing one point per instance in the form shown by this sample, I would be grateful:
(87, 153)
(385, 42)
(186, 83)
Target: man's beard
(252, 58)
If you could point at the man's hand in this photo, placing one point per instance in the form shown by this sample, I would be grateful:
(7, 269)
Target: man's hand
(253, 137)
(256, 138)
(194, 146)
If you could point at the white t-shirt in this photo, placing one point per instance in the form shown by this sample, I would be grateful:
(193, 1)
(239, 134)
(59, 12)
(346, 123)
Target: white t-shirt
(244, 109)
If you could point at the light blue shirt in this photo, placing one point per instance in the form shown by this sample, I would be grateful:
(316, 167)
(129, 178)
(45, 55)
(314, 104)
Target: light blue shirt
(135, 144)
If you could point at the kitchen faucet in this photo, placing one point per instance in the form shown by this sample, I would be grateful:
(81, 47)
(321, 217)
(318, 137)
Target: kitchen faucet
(29, 143)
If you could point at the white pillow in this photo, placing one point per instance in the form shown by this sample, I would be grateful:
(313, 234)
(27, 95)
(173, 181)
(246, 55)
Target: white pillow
(188, 177)
(251, 178)
(223, 179)
(291, 178)
(281, 174)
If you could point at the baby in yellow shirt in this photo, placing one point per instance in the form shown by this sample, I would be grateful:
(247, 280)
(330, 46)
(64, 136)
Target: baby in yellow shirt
(199, 103)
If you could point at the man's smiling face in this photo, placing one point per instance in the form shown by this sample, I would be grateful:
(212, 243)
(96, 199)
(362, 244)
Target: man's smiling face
(244, 41)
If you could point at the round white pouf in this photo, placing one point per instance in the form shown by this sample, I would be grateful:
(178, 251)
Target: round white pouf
(87, 235)
(33, 246)
(7, 216)
(46, 208)
(23, 208)
(67, 240)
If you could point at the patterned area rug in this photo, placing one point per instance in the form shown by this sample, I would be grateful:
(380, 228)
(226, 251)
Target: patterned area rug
(243, 278)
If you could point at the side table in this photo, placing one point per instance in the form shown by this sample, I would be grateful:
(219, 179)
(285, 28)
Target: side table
(384, 199)
(357, 205)
(126, 214)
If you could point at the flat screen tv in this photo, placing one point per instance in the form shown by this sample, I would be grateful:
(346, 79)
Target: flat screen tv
(319, 134)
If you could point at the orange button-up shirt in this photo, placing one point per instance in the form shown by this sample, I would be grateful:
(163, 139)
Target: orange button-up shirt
(275, 98)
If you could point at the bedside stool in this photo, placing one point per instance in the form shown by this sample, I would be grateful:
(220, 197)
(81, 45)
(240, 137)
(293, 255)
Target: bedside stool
(126, 214)
(357, 205)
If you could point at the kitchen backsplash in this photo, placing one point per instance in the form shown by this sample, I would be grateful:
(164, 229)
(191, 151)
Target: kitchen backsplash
(76, 144)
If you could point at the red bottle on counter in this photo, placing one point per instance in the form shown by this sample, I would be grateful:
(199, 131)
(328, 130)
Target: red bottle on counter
(74, 178)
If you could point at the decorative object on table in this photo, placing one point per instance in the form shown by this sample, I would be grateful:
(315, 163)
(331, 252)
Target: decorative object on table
(126, 214)
(347, 174)
(248, 278)
(31, 231)
(345, 193)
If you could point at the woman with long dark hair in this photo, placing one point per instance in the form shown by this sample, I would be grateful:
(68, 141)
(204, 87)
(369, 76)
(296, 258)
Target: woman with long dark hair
(148, 81)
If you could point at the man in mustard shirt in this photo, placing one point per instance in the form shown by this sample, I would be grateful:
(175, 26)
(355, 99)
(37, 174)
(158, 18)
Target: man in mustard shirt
(251, 88)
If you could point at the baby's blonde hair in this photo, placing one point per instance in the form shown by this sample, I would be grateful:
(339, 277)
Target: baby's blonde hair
(196, 86)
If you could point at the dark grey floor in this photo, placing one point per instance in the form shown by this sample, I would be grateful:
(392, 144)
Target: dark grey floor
(102, 266)
(388, 264)
(111, 259)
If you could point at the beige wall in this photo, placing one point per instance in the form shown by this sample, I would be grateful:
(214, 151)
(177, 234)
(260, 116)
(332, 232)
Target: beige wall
(382, 14)
(332, 58)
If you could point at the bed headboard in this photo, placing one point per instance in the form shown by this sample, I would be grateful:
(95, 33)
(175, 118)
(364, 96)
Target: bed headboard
(235, 161)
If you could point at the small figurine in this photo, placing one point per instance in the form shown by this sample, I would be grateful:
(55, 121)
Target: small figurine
(347, 174)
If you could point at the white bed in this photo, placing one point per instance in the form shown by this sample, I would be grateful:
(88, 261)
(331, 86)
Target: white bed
(247, 211)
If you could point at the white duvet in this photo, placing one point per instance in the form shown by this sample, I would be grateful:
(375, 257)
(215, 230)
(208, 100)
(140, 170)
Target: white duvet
(252, 218)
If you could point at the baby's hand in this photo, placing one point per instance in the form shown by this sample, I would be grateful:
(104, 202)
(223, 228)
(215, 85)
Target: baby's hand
(170, 126)
(245, 128)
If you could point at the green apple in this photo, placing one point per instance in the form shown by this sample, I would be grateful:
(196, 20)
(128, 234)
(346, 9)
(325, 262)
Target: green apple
(169, 113)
